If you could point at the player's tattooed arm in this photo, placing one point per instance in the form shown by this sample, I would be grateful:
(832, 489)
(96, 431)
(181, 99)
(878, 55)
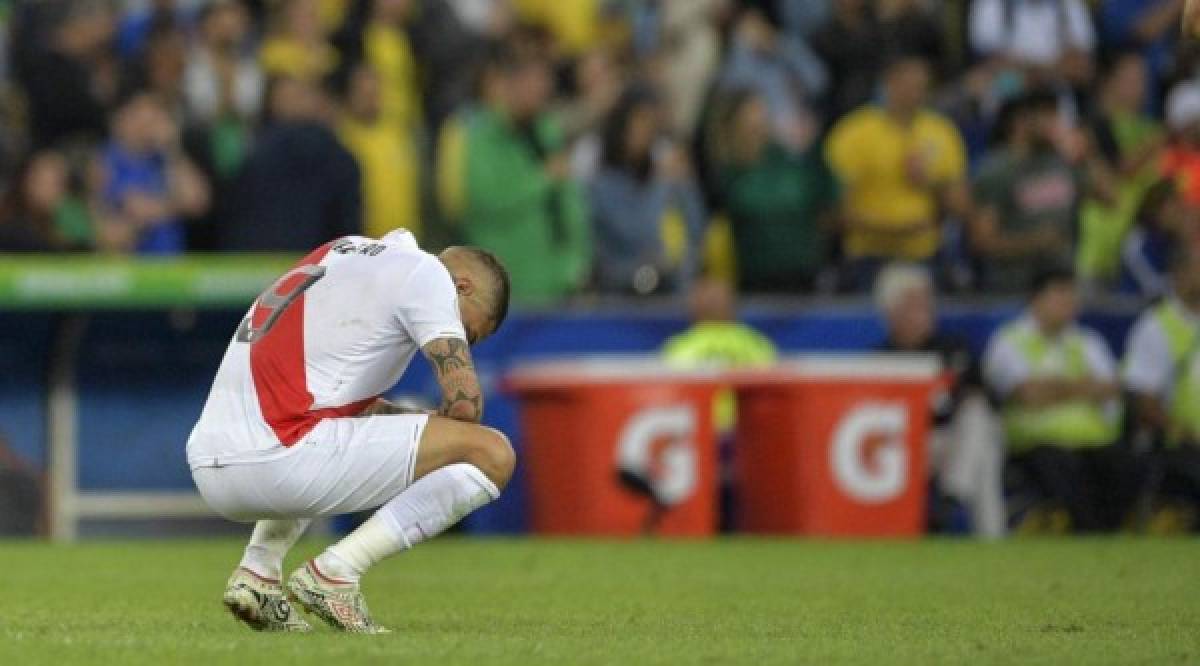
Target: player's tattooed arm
(462, 399)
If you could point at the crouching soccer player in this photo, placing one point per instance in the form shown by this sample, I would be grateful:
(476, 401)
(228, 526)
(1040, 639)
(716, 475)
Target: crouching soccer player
(293, 428)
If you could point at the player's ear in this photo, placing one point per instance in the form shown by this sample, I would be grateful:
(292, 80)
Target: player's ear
(464, 285)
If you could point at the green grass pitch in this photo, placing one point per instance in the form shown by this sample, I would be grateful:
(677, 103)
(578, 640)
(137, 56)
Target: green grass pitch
(485, 601)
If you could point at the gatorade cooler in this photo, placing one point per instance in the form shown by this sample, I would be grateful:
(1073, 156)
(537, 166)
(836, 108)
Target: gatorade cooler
(618, 446)
(835, 446)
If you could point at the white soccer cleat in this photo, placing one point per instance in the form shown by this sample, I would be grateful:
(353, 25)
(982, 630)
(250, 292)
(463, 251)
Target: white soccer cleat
(339, 603)
(260, 603)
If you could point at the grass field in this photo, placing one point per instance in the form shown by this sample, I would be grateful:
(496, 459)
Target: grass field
(461, 601)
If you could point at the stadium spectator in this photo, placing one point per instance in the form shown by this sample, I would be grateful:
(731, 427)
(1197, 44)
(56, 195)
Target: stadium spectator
(576, 27)
(683, 40)
(717, 339)
(429, 55)
(1159, 228)
(783, 71)
(1182, 159)
(70, 80)
(648, 216)
(375, 32)
(503, 178)
(1130, 143)
(910, 27)
(36, 213)
(297, 45)
(802, 17)
(222, 83)
(781, 204)
(966, 453)
(1028, 192)
(1035, 42)
(222, 88)
(299, 187)
(900, 166)
(160, 69)
(136, 28)
(1056, 382)
(486, 18)
(1150, 26)
(450, 47)
(850, 45)
(1162, 374)
(386, 156)
(599, 82)
(146, 184)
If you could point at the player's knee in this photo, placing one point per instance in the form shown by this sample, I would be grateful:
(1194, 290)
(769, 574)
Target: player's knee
(493, 454)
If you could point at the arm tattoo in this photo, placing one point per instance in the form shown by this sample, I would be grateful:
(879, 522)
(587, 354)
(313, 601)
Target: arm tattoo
(462, 399)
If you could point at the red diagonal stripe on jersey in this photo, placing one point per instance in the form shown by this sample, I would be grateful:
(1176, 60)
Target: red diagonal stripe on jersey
(280, 378)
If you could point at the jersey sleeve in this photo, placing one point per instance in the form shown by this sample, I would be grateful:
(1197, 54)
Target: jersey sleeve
(428, 304)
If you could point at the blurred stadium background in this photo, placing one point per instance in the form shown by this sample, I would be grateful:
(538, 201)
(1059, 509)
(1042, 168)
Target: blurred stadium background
(941, 250)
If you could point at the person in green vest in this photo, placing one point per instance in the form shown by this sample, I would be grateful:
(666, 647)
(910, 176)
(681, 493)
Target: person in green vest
(1162, 375)
(1056, 383)
(503, 178)
(717, 339)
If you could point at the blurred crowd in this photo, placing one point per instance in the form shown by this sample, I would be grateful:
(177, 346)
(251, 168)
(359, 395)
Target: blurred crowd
(616, 146)
(1045, 431)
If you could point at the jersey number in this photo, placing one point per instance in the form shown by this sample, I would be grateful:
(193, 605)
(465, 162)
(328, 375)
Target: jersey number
(276, 300)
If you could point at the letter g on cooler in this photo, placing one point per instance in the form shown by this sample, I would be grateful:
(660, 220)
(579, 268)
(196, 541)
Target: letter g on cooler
(868, 457)
(658, 445)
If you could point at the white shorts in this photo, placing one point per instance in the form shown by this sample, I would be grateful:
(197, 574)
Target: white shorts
(344, 465)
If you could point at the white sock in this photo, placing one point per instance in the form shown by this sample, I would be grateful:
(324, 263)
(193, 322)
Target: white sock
(271, 540)
(422, 511)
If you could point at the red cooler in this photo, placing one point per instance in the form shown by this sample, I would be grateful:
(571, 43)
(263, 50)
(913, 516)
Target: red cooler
(835, 446)
(618, 446)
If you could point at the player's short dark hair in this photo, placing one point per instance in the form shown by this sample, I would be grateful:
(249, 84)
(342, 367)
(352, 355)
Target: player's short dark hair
(502, 283)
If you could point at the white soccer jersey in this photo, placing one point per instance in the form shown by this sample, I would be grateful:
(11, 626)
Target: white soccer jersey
(324, 341)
